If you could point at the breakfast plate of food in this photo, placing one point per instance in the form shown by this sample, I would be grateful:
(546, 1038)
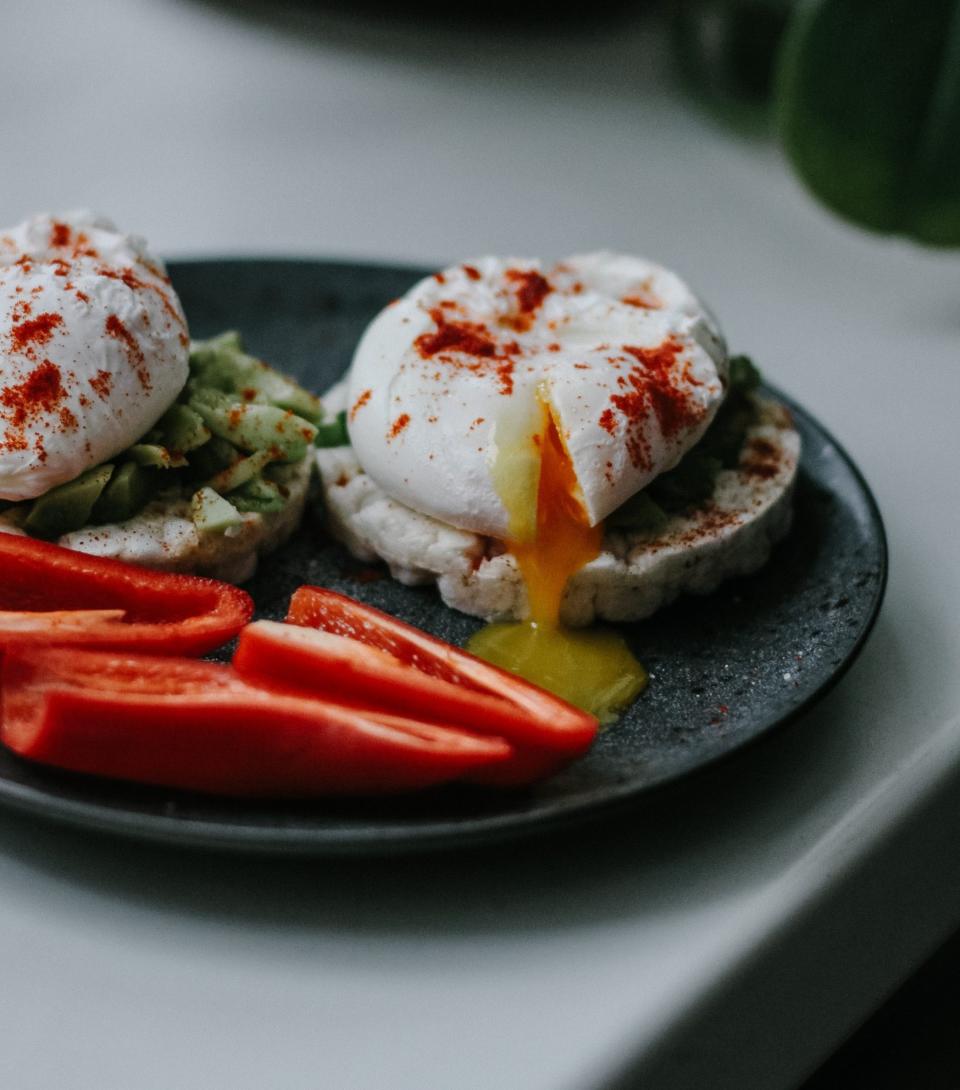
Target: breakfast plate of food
(518, 542)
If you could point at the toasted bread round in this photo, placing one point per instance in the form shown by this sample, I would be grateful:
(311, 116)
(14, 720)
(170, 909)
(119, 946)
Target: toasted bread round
(636, 573)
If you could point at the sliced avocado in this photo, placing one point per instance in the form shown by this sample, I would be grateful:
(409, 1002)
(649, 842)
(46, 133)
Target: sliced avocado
(243, 470)
(149, 454)
(205, 353)
(251, 426)
(222, 364)
(182, 429)
(258, 495)
(333, 433)
(129, 490)
(211, 458)
(212, 514)
(68, 506)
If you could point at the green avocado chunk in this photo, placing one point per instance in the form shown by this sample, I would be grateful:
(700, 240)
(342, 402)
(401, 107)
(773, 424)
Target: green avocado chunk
(182, 429)
(127, 492)
(251, 426)
(211, 513)
(259, 496)
(150, 454)
(243, 470)
(214, 456)
(68, 506)
(222, 364)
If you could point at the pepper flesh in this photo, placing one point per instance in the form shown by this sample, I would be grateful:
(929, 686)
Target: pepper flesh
(162, 612)
(397, 667)
(198, 726)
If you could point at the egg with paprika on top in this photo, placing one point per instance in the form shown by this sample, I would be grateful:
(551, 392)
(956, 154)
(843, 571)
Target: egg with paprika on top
(93, 348)
(525, 404)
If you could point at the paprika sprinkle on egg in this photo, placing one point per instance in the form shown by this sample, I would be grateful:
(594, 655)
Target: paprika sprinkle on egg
(469, 346)
(402, 422)
(34, 332)
(118, 331)
(656, 385)
(360, 402)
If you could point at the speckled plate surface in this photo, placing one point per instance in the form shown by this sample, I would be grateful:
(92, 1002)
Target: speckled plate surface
(725, 669)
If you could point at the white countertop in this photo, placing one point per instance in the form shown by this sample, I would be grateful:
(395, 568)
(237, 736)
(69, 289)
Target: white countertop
(727, 935)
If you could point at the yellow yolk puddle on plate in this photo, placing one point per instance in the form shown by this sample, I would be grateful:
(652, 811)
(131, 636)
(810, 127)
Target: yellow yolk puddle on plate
(591, 668)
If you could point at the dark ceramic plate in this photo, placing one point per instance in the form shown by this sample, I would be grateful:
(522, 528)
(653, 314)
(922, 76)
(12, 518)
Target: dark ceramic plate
(725, 669)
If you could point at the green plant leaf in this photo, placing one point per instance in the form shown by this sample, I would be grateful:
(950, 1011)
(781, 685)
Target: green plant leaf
(869, 112)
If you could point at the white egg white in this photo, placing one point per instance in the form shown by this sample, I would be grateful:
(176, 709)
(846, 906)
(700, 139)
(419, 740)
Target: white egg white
(626, 359)
(93, 348)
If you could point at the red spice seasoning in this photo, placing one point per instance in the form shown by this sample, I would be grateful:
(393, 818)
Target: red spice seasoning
(359, 403)
(82, 247)
(134, 283)
(645, 302)
(762, 460)
(472, 271)
(27, 336)
(656, 386)
(114, 328)
(469, 345)
(102, 384)
(40, 392)
(470, 338)
(532, 288)
(60, 235)
(399, 425)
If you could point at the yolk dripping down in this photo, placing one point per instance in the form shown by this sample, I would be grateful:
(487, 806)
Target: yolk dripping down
(594, 668)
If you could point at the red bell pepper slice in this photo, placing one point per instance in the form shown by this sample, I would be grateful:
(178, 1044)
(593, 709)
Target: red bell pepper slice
(94, 601)
(395, 666)
(198, 726)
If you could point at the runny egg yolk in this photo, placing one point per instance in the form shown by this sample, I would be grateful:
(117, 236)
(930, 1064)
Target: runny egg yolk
(591, 668)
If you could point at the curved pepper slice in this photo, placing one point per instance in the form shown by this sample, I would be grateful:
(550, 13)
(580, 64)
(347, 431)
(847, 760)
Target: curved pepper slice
(93, 601)
(362, 654)
(198, 726)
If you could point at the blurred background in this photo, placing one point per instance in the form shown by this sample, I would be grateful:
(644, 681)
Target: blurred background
(424, 130)
(798, 164)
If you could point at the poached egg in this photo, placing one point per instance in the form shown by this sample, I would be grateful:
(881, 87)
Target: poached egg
(528, 403)
(93, 348)
(626, 361)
